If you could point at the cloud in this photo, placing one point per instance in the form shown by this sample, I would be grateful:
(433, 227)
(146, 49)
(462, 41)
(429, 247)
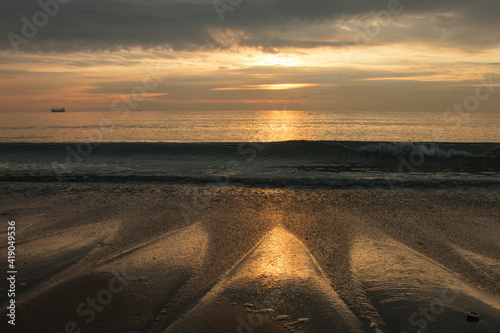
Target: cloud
(193, 25)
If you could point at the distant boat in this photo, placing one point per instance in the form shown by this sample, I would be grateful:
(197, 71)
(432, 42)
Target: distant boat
(58, 110)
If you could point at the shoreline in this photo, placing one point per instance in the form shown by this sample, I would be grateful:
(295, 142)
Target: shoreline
(387, 181)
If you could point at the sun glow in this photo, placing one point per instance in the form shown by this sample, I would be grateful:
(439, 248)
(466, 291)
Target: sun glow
(280, 86)
(277, 60)
(285, 86)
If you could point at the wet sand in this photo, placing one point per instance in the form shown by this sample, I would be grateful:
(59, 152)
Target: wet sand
(101, 257)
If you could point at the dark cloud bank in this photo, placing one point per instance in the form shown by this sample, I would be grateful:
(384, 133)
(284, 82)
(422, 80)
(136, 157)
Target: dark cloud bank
(87, 25)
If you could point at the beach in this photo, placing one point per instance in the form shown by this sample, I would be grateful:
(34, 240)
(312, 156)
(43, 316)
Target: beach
(156, 257)
(233, 166)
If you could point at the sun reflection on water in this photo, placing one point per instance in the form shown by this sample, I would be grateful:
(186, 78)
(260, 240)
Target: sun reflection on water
(280, 125)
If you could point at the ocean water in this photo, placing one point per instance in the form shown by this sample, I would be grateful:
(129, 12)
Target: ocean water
(248, 126)
(276, 147)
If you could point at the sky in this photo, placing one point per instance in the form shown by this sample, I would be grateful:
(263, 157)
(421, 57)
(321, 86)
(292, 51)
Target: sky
(98, 55)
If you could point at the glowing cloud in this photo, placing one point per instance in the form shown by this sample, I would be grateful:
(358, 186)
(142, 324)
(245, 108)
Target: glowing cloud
(280, 86)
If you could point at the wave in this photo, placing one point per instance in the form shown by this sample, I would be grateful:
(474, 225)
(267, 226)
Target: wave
(430, 150)
(311, 147)
(304, 162)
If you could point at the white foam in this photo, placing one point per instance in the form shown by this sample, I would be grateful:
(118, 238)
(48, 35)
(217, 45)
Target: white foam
(399, 148)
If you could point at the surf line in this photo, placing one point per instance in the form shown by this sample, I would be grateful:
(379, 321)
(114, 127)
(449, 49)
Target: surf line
(222, 178)
(470, 103)
(121, 107)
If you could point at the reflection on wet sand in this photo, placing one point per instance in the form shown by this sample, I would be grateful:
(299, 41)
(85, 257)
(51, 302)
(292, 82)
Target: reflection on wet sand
(52, 257)
(412, 292)
(277, 285)
(489, 266)
(255, 260)
(125, 292)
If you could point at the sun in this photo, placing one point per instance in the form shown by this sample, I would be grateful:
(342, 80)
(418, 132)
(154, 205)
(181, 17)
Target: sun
(277, 60)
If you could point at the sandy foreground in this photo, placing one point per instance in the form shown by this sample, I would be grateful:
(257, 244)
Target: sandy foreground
(98, 257)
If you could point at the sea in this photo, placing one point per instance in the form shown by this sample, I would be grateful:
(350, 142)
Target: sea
(253, 148)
